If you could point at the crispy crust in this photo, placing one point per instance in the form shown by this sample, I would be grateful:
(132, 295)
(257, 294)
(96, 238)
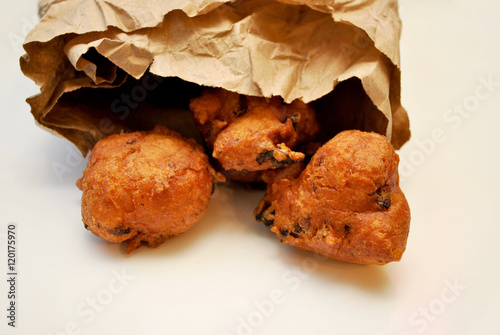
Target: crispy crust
(345, 205)
(145, 187)
(253, 133)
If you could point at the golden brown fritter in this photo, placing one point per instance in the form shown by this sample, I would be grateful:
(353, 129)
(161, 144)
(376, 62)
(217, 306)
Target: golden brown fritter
(345, 205)
(253, 133)
(145, 187)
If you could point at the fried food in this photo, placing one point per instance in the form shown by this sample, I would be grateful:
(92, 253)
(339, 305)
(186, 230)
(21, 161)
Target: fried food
(145, 187)
(253, 133)
(345, 205)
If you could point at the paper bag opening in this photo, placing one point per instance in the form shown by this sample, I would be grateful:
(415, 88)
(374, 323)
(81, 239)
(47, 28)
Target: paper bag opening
(341, 56)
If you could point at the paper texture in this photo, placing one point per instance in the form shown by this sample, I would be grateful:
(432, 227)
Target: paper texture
(83, 53)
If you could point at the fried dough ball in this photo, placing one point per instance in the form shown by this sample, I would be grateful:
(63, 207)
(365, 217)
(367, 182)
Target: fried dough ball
(145, 187)
(345, 205)
(253, 133)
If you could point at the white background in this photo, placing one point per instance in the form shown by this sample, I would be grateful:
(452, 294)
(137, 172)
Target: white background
(229, 275)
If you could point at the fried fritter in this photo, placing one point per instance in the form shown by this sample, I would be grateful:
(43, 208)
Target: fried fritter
(345, 205)
(145, 187)
(253, 133)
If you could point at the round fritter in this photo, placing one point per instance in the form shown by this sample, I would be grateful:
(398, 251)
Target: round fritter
(253, 133)
(345, 205)
(145, 187)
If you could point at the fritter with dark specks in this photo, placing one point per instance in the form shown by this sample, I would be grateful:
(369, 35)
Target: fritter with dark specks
(248, 133)
(345, 205)
(145, 187)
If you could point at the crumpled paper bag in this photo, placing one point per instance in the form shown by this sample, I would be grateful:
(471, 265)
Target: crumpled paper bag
(104, 65)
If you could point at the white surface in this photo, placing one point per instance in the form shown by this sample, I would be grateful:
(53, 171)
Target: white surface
(229, 275)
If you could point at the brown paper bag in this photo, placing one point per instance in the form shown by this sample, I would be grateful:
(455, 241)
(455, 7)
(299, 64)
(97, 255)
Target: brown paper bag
(107, 65)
